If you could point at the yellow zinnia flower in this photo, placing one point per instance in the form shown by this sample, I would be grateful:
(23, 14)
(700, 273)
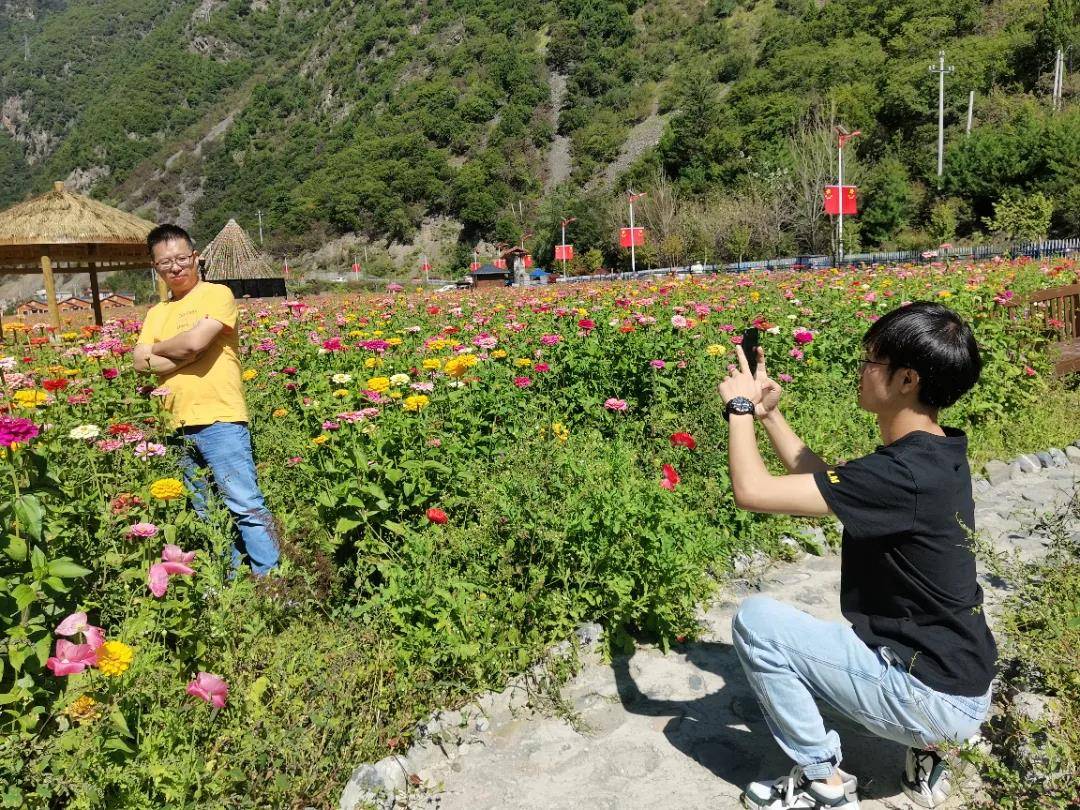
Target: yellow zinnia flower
(341, 392)
(560, 431)
(523, 362)
(379, 384)
(320, 439)
(499, 354)
(279, 412)
(114, 658)
(394, 341)
(167, 489)
(458, 365)
(373, 362)
(416, 402)
(714, 350)
(30, 398)
(250, 374)
(433, 364)
(83, 709)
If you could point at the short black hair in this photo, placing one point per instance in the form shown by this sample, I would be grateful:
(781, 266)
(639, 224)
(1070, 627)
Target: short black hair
(934, 341)
(166, 233)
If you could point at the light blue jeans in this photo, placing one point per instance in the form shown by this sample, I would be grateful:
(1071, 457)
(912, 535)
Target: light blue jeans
(225, 448)
(792, 659)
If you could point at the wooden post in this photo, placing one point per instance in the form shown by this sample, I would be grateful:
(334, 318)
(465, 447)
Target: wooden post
(50, 292)
(95, 295)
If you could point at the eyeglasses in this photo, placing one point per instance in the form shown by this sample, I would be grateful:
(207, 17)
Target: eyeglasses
(178, 261)
(865, 361)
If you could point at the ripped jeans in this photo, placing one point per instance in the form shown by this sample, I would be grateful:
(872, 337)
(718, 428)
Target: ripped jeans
(225, 448)
(793, 660)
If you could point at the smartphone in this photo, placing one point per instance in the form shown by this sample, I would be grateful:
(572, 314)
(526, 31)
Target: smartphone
(750, 346)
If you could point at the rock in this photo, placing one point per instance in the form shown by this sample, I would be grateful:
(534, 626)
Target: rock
(1058, 457)
(375, 784)
(1044, 458)
(1072, 453)
(1041, 495)
(813, 540)
(1031, 705)
(589, 634)
(980, 486)
(998, 472)
(1028, 464)
(482, 724)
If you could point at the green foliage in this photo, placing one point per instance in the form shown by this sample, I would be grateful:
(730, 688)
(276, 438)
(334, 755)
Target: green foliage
(1021, 217)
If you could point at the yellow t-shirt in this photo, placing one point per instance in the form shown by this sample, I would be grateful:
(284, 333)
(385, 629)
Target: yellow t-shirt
(209, 389)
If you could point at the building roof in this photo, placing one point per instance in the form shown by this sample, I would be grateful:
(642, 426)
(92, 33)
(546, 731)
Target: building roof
(232, 255)
(489, 270)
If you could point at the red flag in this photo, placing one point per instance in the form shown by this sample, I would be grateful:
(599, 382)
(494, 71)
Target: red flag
(356, 267)
(631, 236)
(500, 263)
(426, 267)
(564, 252)
(528, 260)
(833, 200)
(474, 266)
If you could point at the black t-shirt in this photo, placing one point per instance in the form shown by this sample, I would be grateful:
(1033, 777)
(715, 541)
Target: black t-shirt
(907, 571)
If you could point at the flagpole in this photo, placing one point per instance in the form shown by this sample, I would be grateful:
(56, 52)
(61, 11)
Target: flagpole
(840, 198)
(633, 263)
(564, 248)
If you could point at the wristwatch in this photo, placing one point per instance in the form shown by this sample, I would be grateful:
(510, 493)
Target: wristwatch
(739, 406)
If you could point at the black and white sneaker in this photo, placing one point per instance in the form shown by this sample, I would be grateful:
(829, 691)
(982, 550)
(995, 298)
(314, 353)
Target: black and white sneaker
(796, 791)
(927, 779)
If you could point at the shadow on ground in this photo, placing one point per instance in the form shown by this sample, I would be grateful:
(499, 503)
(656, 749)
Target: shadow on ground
(725, 732)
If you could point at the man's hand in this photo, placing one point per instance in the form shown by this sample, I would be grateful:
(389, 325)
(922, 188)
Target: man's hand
(187, 346)
(770, 388)
(739, 382)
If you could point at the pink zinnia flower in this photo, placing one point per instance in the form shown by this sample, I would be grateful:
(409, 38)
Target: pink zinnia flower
(147, 450)
(670, 478)
(110, 373)
(796, 353)
(541, 367)
(550, 340)
(175, 564)
(77, 623)
(657, 364)
(613, 404)
(142, 529)
(522, 382)
(71, 658)
(16, 430)
(679, 321)
(210, 688)
(784, 377)
(803, 336)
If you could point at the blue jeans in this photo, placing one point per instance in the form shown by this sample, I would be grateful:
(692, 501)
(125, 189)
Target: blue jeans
(792, 659)
(225, 447)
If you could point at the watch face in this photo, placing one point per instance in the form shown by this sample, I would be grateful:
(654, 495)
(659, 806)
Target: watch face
(740, 405)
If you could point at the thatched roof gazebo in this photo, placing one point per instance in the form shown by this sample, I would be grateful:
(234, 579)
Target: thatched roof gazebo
(231, 258)
(68, 233)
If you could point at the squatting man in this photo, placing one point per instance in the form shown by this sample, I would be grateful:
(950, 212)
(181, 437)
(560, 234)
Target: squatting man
(916, 661)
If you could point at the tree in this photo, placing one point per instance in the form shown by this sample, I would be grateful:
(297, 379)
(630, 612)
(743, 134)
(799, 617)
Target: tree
(1022, 218)
(887, 201)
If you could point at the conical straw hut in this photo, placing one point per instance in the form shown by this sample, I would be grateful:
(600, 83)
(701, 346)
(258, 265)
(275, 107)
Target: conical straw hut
(62, 232)
(231, 258)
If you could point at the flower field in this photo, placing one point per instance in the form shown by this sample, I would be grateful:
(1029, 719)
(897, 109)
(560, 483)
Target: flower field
(459, 480)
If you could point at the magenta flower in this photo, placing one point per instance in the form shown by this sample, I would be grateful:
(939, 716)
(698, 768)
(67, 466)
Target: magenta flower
(209, 687)
(657, 364)
(141, 529)
(71, 658)
(784, 377)
(174, 554)
(175, 564)
(803, 336)
(110, 373)
(613, 404)
(93, 636)
(550, 340)
(16, 430)
(522, 382)
(541, 368)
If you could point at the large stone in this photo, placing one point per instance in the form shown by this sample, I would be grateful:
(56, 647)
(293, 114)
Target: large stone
(1031, 705)
(997, 472)
(1073, 454)
(813, 540)
(1041, 495)
(1028, 464)
(980, 486)
(1044, 458)
(376, 783)
(1058, 457)
(589, 634)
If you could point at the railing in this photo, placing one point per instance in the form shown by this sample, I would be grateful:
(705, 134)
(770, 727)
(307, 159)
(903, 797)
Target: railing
(1037, 250)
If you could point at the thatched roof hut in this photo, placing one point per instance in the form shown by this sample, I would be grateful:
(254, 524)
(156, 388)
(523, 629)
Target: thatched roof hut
(231, 258)
(69, 233)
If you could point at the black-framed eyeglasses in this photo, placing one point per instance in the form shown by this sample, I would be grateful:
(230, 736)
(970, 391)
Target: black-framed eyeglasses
(864, 361)
(178, 261)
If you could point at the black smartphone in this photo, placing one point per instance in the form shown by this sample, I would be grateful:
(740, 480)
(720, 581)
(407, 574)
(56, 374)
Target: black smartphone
(749, 346)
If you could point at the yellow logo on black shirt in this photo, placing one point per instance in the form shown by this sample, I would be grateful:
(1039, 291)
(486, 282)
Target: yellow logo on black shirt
(833, 477)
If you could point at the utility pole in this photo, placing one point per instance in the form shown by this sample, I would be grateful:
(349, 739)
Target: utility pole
(971, 111)
(1059, 76)
(941, 70)
(843, 136)
(26, 47)
(633, 239)
(260, 227)
(565, 222)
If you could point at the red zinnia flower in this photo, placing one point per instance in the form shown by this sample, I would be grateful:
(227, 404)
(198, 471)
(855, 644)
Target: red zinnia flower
(57, 384)
(436, 515)
(587, 324)
(120, 429)
(683, 440)
(670, 478)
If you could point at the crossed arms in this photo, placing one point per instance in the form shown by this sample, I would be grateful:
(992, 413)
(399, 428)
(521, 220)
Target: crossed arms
(167, 356)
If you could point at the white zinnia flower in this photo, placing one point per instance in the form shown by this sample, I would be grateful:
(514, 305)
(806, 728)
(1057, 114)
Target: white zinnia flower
(399, 379)
(342, 379)
(84, 432)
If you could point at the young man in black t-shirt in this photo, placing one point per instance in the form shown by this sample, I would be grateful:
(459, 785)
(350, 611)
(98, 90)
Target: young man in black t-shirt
(916, 662)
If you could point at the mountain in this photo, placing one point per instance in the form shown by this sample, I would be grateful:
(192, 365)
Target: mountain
(444, 122)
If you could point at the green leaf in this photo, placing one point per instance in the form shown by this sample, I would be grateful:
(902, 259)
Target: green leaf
(16, 548)
(29, 513)
(345, 525)
(116, 744)
(119, 722)
(395, 527)
(67, 569)
(24, 595)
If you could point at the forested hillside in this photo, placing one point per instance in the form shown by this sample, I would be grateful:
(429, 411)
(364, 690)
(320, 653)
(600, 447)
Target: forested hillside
(371, 118)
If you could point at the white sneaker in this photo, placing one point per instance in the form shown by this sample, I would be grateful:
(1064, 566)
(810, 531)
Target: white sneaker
(796, 791)
(927, 779)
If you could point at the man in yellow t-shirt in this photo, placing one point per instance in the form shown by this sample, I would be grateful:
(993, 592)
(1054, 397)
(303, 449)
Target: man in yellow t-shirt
(191, 343)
